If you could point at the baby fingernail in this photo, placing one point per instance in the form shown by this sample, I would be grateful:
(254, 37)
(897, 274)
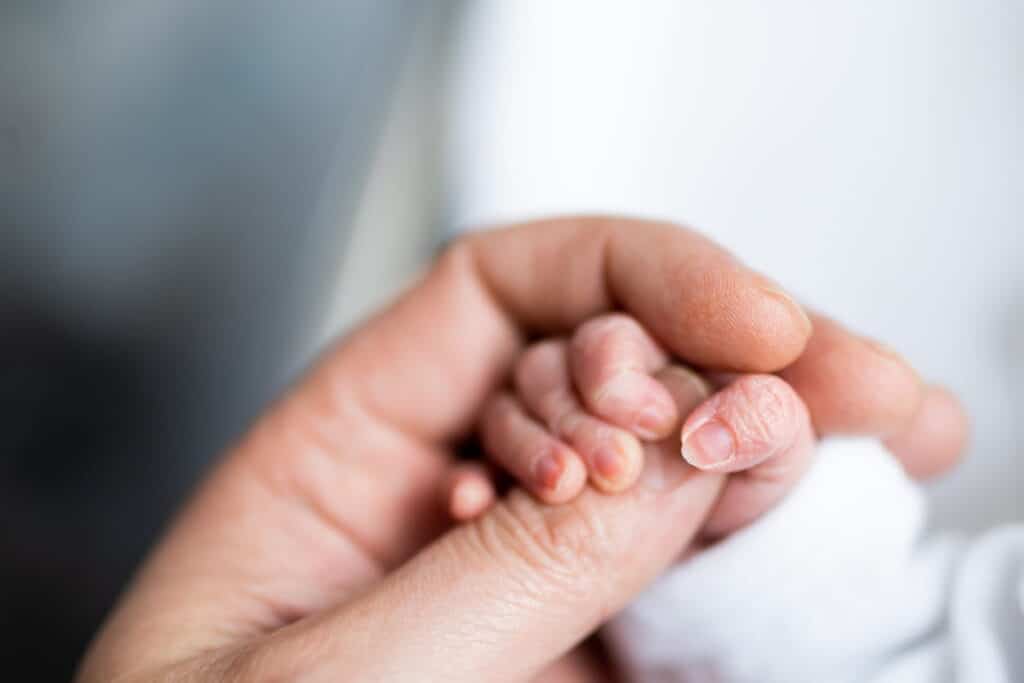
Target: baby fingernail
(653, 422)
(548, 471)
(614, 462)
(710, 445)
(609, 464)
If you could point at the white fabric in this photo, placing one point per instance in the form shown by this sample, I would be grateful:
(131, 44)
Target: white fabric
(836, 585)
(867, 155)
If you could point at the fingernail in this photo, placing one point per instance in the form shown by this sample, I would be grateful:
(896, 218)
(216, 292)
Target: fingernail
(710, 445)
(883, 350)
(615, 460)
(548, 471)
(780, 294)
(652, 423)
(609, 464)
(616, 393)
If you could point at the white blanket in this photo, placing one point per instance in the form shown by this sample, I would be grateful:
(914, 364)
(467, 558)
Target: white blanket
(837, 585)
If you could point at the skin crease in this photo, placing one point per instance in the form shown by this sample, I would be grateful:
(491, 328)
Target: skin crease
(317, 548)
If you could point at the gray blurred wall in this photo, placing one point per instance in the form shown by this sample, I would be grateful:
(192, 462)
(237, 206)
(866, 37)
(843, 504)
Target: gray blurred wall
(177, 184)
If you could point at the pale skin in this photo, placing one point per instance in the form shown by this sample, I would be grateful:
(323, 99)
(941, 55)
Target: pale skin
(317, 549)
(584, 408)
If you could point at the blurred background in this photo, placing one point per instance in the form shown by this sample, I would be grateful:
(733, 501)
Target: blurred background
(196, 195)
(181, 186)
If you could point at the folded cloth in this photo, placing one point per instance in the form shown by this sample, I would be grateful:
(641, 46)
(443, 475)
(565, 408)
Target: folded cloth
(836, 584)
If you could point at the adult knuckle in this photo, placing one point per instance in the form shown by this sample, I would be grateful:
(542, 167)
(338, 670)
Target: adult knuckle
(562, 546)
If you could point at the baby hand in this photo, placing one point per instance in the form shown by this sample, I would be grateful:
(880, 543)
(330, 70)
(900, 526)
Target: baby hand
(597, 405)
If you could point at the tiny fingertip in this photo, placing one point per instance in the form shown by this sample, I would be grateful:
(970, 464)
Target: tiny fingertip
(469, 499)
(655, 421)
(710, 446)
(547, 471)
(558, 476)
(616, 465)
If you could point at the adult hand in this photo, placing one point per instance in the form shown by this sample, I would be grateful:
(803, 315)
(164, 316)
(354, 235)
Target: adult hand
(318, 549)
